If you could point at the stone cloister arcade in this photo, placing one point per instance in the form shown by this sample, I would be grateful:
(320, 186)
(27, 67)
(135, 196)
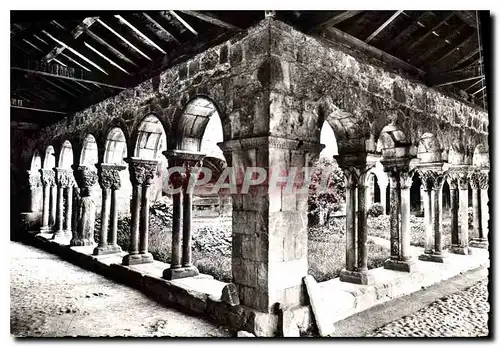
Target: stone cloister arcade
(272, 101)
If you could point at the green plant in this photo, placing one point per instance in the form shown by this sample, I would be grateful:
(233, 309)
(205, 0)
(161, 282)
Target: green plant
(375, 210)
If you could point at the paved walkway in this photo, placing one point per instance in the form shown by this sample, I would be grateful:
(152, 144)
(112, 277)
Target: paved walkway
(51, 297)
(463, 314)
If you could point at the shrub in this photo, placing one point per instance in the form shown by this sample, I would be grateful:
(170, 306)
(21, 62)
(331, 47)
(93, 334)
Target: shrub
(375, 210)
(470, 217)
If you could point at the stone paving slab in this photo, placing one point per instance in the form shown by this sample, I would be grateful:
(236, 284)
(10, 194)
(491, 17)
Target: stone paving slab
(53, 298)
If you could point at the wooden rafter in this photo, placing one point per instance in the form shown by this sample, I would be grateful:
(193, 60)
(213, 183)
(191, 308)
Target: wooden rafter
(183, 22)
(383, 26)
(454, 48)
(113, 50)
(409, 29)
(479, 90)
(160, 27)
(68, 78)
(431, 50)
(105, 58)
(143, 37)
(210, 18)
(429, 32)
(58, 86)
(80, 28)
(335, 20)
(474, 84)
(37, 109)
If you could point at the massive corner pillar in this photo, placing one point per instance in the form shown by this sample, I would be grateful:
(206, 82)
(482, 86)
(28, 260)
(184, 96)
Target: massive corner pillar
(432, 180)
(48, 180)
(63, 180)
(83, 234)
(479, 184)
(399, 180)
(355, 170)
(269, 250)
(35, 199)
(142, 173)
(184, 167)
(109, 180)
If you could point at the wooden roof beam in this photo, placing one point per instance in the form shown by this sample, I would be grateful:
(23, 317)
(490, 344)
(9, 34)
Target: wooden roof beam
(68, 78)
(37, 109)
(429, 32)
(124, 39)
(474, 84)
(145, 39)
(436, 47)
(75, 52)
(183, 22)
(106, 58)
(453, 77)
(58, 87)
(210, 18)
(335, 20)
(447, 54)
(113, 50)
(410, 28)
(160, 27)
(75, 62)
(80, 28)
(383, 26)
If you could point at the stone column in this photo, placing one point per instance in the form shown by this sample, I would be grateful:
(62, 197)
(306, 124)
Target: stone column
(142, 172)
(63, 180)
(454, 214)
(109, 180)
(68, 225)
(479, 183)
(48, 180)
(356, 270)
(434, 181)
(85, 178)
(429, 229)
(399, 178)
(188, 165)
(383, 199)
(463, 211)
(53, 206)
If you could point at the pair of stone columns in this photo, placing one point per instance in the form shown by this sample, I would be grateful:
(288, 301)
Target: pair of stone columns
(142, 173)
(63, 223)
(479, 183)
(182, 204)
(432, 182)
(48, 181)
(356, 270)
(458, 179)
(109, 180)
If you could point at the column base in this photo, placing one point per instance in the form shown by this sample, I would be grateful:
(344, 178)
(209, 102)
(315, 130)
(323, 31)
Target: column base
(436, 258)
(46, 230)
(135, 259)
(60, 236)
(108, 249)
(181, 272)
(479, 243)
(82, 242)
(356, 277)
(398, 265)
(463, 250)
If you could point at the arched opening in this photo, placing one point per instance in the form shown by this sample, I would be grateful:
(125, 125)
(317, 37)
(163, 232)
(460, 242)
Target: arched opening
(446, 199)
(89, 156)
(36, 162)
(416, 204)
(150, 144)
(49, 160)
(115, 151)
(66, 156)
(35, 191)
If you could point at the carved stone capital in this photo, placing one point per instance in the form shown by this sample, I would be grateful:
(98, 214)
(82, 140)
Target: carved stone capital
(396, 164)
(85, 177)
(64, 177)
(461, 175)
(109, 175)
(270, 142)
(405, 179)
(483, 180)
(47, 177)
(142, 171)
(34, 179)
(432, 179)
(452, 181)
(353, 176)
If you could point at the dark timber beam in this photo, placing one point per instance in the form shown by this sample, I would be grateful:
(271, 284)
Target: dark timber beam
(333, 34)
(335, 20)
(453, 77)
(80, 29)
(37, 109)
(160, 27)
(429, 32)
(383, 26)
(456, 47)
(431, 50)
(467, 17)
(68, 78)
(183, 22)
(210, 18)
(409, 30)
(113, 50)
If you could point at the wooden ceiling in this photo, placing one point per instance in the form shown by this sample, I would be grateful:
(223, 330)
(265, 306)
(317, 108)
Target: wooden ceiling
(64, 61)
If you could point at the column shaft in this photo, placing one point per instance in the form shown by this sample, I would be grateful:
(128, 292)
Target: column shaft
(53, 207)
(429, 230)
(362, 230)
(134, 228)
(69, 211)
(176, 231)
(454, 216)
(476, 212)
(46, 207)
(405, 223)
(144, 224)
(113, 219)
(350, 228)
(394, 216)
(60, 212)
(186, 230)
(103, 233)
(484, 213)
(464, 217)
(437, 204)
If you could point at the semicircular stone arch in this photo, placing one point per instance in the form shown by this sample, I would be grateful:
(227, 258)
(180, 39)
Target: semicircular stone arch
(66, 155)
(89, 155)
(481, 157)
(49, 160)
(36, 161)
(429, 149)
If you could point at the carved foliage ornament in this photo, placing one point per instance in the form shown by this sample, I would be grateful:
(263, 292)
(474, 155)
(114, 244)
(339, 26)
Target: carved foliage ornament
(142, 172)
(85, 177)
(432, 179)
(34, 179)
(479, 180)
(48, 177)
(63, 178)
(109, 178)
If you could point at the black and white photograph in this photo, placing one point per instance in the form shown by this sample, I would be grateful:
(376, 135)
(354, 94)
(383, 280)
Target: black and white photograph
(246, 173)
